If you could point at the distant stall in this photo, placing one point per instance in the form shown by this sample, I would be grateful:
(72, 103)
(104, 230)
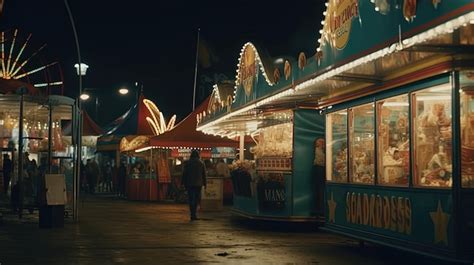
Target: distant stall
(174, 146)
(128, 133)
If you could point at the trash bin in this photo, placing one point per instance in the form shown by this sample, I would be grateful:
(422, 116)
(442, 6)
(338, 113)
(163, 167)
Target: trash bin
(212, 197)
(51, 213)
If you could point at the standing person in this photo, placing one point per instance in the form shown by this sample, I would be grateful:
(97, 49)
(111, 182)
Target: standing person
(92, 171)
(83, 179)
(194, 177)
(107, 178)
(222, 169)
(7, 172)
(122, 176)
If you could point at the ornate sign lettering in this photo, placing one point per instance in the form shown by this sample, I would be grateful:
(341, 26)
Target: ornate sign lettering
(390, 213)
(339, 21)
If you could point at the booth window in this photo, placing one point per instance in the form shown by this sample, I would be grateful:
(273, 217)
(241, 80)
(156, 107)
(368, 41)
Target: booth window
(467, 129)
(432, 136)
(361, 140)
(336, 146)
(392, 141)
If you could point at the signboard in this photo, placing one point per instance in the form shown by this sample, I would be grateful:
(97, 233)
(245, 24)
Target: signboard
(213, 189)
(223, 152)
(186, 153)
(271, 191)
(340, 18)
(55, 189)
(278, 163)
(212, 197)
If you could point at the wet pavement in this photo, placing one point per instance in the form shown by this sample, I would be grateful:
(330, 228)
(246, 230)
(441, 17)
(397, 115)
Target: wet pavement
(116, 231)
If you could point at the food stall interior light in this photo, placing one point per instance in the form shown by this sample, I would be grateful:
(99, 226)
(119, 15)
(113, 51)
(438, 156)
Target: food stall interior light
(433, 98)
(395, 104)
(143, 149)
(178, 162)
(441, 88)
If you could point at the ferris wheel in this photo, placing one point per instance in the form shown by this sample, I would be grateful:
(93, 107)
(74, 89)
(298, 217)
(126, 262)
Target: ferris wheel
(24, 65)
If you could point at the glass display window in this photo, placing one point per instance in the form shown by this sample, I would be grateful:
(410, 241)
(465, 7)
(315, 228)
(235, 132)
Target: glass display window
(336, 146)
(274, 141)
(393, 141)
(361, 141)
(467, 129)
(432, 136)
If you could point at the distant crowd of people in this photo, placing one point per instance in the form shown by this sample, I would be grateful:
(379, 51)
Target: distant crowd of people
(107, 178)
(31, 180)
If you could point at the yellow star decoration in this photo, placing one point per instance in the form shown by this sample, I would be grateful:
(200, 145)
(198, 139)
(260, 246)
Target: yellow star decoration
(440, 221)
(332, 209)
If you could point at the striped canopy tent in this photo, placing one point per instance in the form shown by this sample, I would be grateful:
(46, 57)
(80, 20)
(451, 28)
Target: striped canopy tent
(90, 130)
(184, 135)
(133, 122)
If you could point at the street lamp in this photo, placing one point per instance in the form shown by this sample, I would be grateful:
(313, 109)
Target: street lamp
(123, 91)
(81, 69)
(84, 96)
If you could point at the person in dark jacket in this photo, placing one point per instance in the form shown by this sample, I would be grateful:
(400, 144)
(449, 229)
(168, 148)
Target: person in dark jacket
(7, 172)
(194, 177)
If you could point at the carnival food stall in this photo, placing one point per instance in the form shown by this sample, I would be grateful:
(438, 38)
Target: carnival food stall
(394, 82)
(174, 147)
(279, 180)
(130, 132)
(399, 156)
(142, 180)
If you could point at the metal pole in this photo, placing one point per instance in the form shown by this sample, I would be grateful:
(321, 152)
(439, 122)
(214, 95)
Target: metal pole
(50, 139)
(20, 157)
(196, 69)
(79, 129)
(241, 146)
(151, 174)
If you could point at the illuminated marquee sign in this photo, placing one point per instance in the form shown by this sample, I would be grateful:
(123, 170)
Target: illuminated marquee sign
(339, 21)
(248, 69)
(390, 213)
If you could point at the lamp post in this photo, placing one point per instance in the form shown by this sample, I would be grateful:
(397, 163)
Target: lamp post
(81, 70)
(85, 96)
(78, 161)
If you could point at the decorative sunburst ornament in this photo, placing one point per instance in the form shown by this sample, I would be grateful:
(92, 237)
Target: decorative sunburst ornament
(157, 122)
(16, 66)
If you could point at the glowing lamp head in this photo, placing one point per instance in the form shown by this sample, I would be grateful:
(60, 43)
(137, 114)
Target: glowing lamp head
(123, 91)
(81, 70)
(84, 96)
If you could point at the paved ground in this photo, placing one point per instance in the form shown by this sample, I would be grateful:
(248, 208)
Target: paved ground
(113, 231)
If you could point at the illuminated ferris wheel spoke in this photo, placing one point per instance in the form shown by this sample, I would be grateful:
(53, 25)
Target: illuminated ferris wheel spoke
(11, 50)
(18, 56)
(58, 83)
(27, 60)
(34, 71)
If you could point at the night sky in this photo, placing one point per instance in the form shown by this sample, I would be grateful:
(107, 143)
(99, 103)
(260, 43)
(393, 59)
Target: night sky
(154, 43)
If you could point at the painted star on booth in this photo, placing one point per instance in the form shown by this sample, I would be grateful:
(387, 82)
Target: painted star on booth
(440, 224)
